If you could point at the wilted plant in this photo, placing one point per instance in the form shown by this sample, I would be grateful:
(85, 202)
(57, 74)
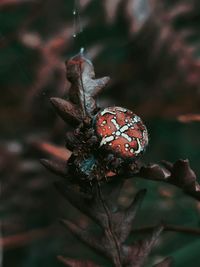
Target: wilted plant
(159, 61)
(106, 145)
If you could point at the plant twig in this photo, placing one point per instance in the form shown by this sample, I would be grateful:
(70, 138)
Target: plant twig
(110, 232)
(169, 227)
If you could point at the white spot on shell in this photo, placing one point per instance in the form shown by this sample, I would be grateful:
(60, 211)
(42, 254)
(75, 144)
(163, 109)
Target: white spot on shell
(106, 110)
(128, 138)
(115, 123)
(139, 147)
(124, 128)
(121, 109)
(106, 140)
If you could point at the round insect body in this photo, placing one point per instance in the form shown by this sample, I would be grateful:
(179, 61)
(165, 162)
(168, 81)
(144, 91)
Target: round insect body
(121, 132)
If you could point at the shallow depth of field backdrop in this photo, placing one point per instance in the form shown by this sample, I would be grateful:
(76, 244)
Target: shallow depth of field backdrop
(151, 50)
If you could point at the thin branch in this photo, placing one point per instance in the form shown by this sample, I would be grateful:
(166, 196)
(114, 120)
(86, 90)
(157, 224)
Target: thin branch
(110, 233)
(187, 118)
(169, 227)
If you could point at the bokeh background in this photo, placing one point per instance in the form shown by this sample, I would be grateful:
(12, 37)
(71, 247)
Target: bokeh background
(151, 50)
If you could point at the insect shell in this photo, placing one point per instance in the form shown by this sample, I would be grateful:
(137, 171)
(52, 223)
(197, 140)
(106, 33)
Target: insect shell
(121, 132)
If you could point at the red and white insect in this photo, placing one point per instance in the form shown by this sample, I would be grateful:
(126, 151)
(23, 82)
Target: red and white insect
(121, 131)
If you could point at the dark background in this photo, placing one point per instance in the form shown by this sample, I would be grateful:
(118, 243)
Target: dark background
(150, 49)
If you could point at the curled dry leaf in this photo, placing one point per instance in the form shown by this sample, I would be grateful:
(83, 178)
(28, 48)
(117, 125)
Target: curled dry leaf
(116, 225)
(179, 174)
(84, 86)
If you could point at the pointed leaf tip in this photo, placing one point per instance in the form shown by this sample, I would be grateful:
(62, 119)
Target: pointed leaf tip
(99, 85)
(84, 235)
(132, 209)
(125, 218)
(141, 249)
(67, 111)
(59, 168)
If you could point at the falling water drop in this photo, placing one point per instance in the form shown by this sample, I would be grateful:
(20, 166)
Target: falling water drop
(77, 23)
(74, 12)
(82, 50)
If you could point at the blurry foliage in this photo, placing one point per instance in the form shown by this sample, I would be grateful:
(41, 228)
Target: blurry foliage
(151, 51)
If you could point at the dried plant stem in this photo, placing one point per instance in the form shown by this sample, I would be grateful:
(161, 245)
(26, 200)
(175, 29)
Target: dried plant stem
(109, 231)
(98, 201)
(83, 88)
(169, 227)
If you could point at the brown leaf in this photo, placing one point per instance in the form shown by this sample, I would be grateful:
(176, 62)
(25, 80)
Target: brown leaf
(179, 174)
(138, 253)
(154, 172)
(71, 141)
(59, 168)
(123, 220)
(111, 191)
(85, 236)
(84, 86)
(182, 175)
(81, 201)
(67, 111)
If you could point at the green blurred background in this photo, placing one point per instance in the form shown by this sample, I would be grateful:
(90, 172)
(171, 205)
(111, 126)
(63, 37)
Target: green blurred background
(150, 49)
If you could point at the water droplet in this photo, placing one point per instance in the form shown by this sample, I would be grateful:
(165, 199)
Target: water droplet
(82, 50)
(74, 12)
(74, 35)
